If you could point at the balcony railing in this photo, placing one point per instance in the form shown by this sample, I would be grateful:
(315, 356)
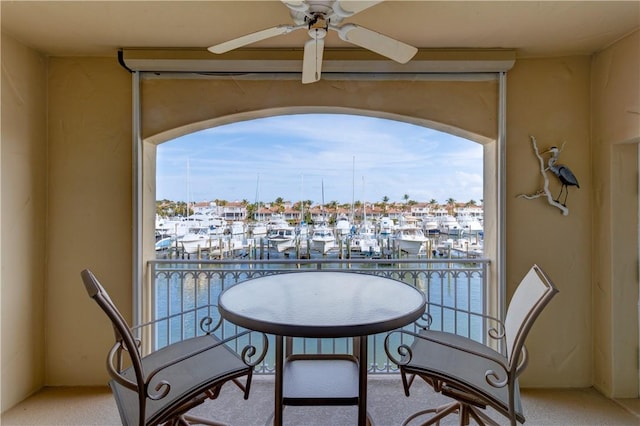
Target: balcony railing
(181, 292)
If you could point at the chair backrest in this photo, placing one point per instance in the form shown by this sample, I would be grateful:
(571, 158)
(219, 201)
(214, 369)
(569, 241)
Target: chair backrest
(125, 340)
(533, 294)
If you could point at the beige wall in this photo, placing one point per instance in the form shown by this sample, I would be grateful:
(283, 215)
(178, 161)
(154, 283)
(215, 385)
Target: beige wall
(89, 215)
(615, 87)
(549, 99)
(23, 212)
(90, 199)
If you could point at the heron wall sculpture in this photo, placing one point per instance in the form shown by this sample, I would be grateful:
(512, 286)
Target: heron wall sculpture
(564, 174)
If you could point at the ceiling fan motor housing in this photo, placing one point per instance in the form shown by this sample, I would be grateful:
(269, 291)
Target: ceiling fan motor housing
(318, 26)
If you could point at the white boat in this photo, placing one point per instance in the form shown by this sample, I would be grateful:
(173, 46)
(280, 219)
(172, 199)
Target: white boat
(465, 247)
(236, 227)
(343, 226)
(386, 225)
(322, 239)
(164, 244)
(461, 247)
(258, 230)
(196, 238)
(449, 225)
(365, 242)
(277, 221)
(430, 225)
(302, 231)
(282, 238)
(470, 224)
(410, 239)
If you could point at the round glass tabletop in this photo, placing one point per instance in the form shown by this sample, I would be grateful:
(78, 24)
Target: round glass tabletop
(322, 304)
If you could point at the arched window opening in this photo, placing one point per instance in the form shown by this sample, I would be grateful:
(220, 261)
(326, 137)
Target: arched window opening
(346, 186)
(311, 167)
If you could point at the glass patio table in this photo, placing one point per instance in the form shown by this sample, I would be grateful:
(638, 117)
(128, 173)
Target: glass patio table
(321, 304)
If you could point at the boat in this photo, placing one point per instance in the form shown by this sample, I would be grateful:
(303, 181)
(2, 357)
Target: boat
(410, 239)
(322, 238)
(364, 241)
(430, 225)
(236, 227)
(277, 221)
(302, 230)
(461, 247)
(258, 230)
(164, 244)
(386, 225)
(343, 226)
(197, 238)
(449, 225)
(282, 238)
(470, 224)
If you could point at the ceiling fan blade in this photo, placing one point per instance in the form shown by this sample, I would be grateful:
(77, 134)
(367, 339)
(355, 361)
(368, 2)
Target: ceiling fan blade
(253, 38)
(376, 42)
(346, 8)
(312, 61)
(296, 5)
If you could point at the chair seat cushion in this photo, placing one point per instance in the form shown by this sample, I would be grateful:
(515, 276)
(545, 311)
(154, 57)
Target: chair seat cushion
(188, 378)
(435, 358)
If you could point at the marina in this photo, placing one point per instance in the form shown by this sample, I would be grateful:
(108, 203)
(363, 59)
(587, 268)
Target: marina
(277, 238)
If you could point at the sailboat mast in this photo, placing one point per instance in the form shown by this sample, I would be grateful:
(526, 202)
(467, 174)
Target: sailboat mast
(324, 219)
(364, 204)
(258, 198)
(353, 188)
(188, 187)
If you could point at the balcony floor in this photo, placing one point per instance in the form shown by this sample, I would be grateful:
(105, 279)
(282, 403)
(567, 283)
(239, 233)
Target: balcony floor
(387, 405)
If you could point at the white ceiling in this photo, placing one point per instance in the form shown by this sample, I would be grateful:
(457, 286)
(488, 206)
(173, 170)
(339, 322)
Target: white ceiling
(99, 28)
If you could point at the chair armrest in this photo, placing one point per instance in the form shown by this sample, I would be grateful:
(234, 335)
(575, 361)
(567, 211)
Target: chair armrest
(454, 343)
(149, 368)
(207, 308)
(497, 333)
(248, 351)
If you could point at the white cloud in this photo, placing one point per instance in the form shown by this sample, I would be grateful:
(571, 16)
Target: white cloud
(294, 155)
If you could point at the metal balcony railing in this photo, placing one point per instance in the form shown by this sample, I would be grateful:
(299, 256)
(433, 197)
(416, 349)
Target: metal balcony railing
(181, 293)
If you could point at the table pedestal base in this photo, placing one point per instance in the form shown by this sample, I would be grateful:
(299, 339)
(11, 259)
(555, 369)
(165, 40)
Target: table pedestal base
(335, 379)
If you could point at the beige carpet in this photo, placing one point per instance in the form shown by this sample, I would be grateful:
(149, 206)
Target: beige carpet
(387, 406)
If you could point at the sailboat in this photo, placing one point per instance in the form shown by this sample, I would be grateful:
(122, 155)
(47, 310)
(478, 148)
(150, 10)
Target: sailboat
(258, 229)
(322, 238)
(364, 240)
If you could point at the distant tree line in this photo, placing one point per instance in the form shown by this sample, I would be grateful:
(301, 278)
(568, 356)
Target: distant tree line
(168, 208)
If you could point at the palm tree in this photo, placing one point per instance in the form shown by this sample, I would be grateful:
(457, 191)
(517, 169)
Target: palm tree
(451, 204)
(405, 197)
(385, 200)
(181, 209)
(252, 209)
(279, 204)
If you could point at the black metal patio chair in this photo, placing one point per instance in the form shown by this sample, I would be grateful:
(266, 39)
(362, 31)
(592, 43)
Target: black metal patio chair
(162, 386)
(474, 375)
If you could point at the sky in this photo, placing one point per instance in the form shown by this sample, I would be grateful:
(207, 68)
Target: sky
(334, 157)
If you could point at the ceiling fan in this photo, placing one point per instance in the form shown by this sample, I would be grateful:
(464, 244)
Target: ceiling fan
(319, 17)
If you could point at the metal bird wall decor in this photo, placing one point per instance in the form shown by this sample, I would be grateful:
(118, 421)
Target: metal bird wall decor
(564, 174)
